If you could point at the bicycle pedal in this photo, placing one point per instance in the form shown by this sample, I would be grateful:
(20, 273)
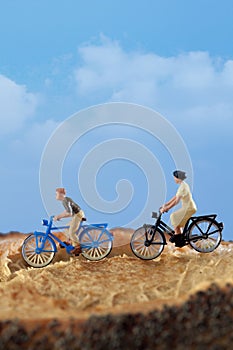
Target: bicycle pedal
(62, 246)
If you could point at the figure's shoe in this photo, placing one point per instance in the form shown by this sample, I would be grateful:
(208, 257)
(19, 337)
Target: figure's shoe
(172, 239)
(178, 240)
(77, 250)
(180, 244)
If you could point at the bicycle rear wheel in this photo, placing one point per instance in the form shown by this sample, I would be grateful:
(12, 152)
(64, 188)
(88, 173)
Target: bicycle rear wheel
(96, 243)
(204, 235)
(138, 243)
(33, 255)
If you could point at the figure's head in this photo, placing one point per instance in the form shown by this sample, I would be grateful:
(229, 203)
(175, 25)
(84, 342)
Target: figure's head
(179, 176)
(60, 193)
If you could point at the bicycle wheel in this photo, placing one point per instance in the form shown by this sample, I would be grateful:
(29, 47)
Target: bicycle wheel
(32, 254)
(204, 235)
(139, 248)
(96, 243)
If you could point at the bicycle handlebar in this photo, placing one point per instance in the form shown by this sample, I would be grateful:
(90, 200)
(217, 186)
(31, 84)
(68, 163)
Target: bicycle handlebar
(49, 224)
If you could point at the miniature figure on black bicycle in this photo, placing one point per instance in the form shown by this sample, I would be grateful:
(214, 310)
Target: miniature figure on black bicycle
(180, 216)
(203, 233)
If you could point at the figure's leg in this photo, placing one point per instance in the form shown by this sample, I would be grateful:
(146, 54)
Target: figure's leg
(178, 220)
(74, 225)
(177, 238)
(178, 230)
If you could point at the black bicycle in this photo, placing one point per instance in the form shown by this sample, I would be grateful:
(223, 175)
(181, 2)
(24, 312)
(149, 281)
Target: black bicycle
(203, 233)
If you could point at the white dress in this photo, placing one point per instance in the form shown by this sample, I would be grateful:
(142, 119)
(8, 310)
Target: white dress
(181, 216)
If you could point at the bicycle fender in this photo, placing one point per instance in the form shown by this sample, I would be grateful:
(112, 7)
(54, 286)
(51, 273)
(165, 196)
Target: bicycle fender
(219, 224)
(103, 225)
(110, 235)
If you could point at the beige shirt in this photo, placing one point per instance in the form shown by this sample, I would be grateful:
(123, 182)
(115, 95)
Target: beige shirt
(186, 197)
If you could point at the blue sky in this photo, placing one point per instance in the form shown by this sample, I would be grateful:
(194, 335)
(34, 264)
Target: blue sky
(60, 57)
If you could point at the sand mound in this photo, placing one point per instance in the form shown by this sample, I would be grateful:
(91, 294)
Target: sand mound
(118, 285)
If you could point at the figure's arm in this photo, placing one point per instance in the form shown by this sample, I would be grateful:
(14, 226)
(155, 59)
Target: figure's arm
(62, 215)
(170, 204)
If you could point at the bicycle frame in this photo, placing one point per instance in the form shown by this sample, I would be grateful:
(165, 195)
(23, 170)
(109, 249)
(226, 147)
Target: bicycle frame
(162, 227)
(69, 248)
(202, 233)
(47, 234)
(195, 219)
(159, 226)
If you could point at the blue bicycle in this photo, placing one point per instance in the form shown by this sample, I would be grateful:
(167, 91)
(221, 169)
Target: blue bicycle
(39, 249)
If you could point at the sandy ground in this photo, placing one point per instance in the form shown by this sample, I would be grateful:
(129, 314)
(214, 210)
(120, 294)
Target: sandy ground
(76, 287)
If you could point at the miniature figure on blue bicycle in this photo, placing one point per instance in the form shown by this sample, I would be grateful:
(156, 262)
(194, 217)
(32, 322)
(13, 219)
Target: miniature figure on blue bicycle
(39, 248)
(180, 217)
(73, 210)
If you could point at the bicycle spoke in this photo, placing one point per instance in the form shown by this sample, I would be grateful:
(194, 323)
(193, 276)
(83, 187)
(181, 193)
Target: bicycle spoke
(33, 242)
(33, 258)
(139, 248)
(104, 241)
(99, 242)
(204, 236)
(211, 233)
(199, 229)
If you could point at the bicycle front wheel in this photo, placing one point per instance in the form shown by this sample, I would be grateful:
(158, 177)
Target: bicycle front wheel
(32, 252)
(139, 246)
(204, 235)
(96, 243)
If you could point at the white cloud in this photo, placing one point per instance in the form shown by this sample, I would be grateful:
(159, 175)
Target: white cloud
(16, 105)
(190, 85)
